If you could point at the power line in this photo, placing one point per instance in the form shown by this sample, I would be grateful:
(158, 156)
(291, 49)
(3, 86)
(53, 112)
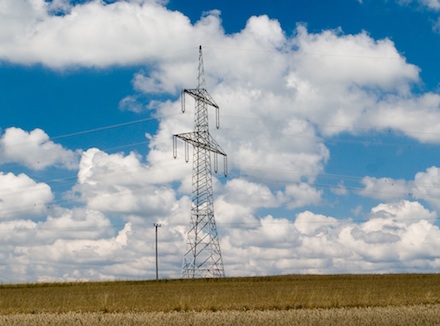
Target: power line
(88, 131)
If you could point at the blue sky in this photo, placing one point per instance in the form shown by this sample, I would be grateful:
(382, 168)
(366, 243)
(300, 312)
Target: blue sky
(330, 115)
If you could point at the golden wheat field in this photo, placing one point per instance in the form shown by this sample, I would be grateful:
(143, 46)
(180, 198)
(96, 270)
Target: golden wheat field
(412, 315)
(392, 299)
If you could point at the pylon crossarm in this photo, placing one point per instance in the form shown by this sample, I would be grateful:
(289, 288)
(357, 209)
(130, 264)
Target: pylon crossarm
(200, 140)
(210, 145)
(200, 94)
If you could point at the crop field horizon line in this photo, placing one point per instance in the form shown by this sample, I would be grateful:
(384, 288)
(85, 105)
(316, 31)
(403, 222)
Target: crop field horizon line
(259, 278)
(255, 293)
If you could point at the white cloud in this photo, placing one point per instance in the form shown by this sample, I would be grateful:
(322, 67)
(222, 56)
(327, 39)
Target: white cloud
(426, 186)
(49, 248)
(169, 79)
(404, 211)
(83, 251)
(78, 223)
(249, 194)
(302, 194)
(423, 187)
(417, 116)
(34, 150)
(64, 224)
(358, 60)
(79, 244)
(74, 256)
(385, 188)
(22, 196)
(71, 245)
(90, 34)
(396, 233)
(354, 83)
(313, 224)
(118, 183)
(390, 240)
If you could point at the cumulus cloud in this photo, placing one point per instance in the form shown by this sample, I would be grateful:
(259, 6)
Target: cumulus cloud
(34, 150)
(119, 183)
(82, 244)
(384, 188)
(77, 244)
(312, 224)
(404, 211)
(353, 83)
(67, 224)
(21, 196)
(300, 195)
(424, 186)
(74, 255)
(388, 241)
(395, 232)
(91, 34)
(416, 116)
(331, 57)
(77, 223)
(249, 193)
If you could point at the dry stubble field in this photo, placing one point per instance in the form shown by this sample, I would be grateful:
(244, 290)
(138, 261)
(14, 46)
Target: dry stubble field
(391, 299)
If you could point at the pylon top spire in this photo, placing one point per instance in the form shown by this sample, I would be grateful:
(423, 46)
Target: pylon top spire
(201, 83)
(203, 99)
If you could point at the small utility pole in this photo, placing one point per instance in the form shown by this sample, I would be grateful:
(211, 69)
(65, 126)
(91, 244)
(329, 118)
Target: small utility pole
(156, 225)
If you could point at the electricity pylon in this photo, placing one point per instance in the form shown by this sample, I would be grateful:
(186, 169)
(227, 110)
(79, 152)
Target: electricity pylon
(202, 257)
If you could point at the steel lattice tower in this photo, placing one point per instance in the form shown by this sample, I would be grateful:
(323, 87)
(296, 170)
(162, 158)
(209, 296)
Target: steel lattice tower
(202, 257)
